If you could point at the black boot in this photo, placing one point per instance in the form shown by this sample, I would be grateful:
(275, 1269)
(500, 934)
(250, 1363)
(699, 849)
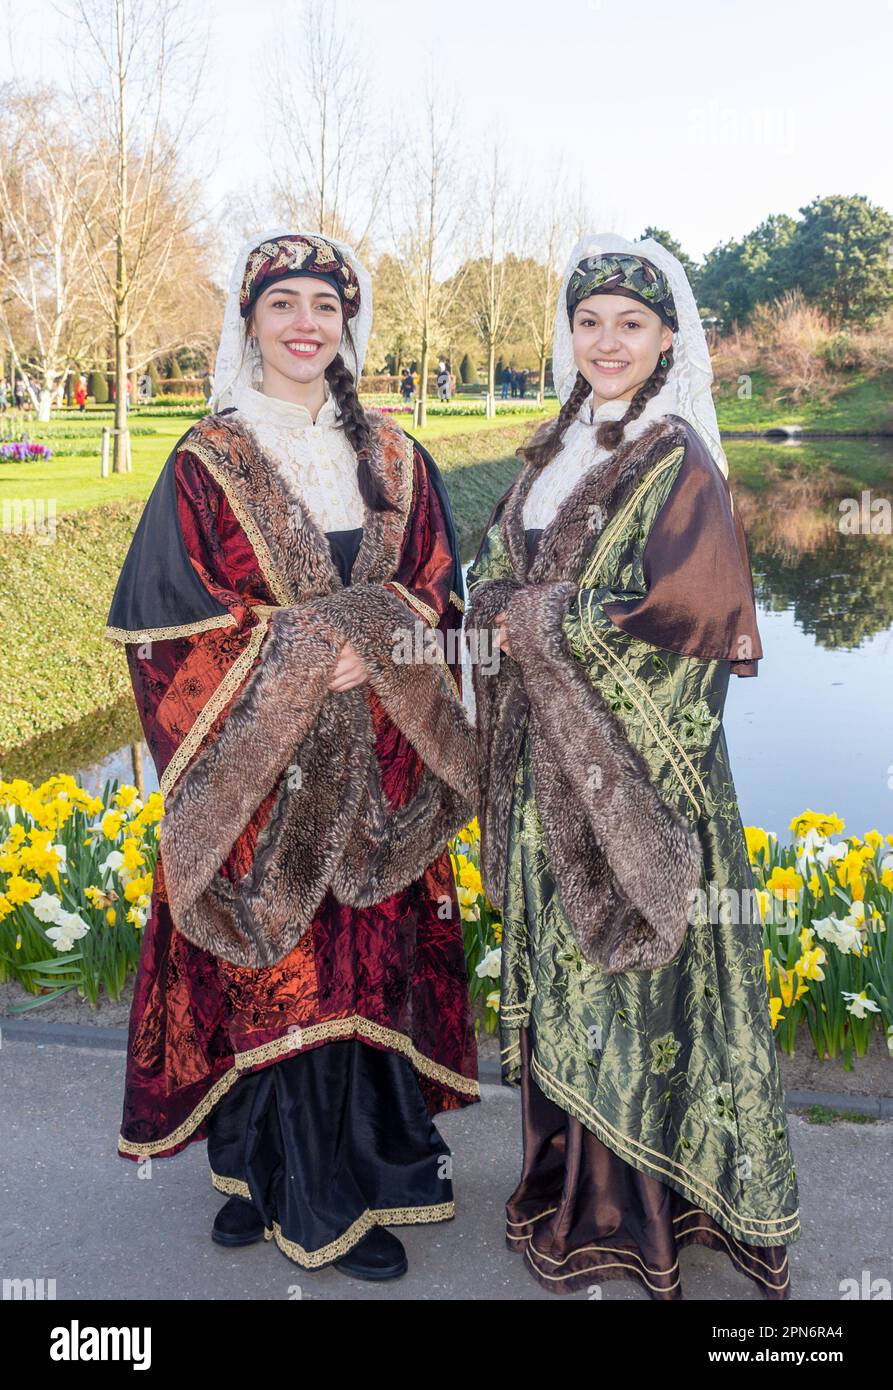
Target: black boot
(379, 1255)
(237, 1223)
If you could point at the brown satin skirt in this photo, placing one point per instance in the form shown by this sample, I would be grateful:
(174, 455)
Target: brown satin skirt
(582, 1215)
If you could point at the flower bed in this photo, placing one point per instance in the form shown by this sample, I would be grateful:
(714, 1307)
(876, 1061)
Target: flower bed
(23, 450)
(826, 906)
(76, 875)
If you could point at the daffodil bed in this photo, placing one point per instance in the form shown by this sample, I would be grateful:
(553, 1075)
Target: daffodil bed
(76, 874)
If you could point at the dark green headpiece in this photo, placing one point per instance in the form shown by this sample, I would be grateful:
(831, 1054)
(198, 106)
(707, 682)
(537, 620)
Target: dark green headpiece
(615, 273)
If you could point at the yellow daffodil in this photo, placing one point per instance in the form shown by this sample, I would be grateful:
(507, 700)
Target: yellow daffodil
(133, 858)
(849, 874)
(468, 904)
(137, 887)
(21, 890)
(757, 842)
(808, 967)
(774, 1006)
(111, 824)
(15, 792)
(470, 876)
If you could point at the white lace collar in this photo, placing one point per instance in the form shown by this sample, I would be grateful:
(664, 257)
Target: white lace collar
(578, 453)
(274, 411)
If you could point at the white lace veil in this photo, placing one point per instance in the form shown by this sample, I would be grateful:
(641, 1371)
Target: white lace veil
(686, 391)
(235, 366)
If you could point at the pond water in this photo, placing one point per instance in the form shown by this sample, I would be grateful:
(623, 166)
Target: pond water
(815, 728)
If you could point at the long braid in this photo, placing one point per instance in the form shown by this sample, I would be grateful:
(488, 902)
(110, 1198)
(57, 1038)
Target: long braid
(610, 432)
(547, 440)
(358, 431)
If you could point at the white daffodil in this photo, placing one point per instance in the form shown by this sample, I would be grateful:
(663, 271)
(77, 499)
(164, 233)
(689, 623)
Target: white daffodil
(807, 846)
(859, 1004)
(842, 932)
(491, 964)
(114, 861)
(70, 929)
(62, 866)
(832, 849)
(46, 907)
(493, 1000)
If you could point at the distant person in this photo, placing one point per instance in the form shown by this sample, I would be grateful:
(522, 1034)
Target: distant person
(4, 395)
(444, 383)
(506, 382)
(80, 394)
(19, 393)
(522, 383)
(406, 385)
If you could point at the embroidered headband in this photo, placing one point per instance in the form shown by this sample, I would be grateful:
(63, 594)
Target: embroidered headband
(622, 274)
(298, 255)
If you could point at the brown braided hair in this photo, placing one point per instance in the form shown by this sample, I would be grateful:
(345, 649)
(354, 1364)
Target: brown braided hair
(356, 423)
(547, 440)
(357, 428)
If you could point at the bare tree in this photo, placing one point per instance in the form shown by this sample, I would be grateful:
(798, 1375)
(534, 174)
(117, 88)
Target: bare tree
(41, 298)
(427, 241)
(336, 159)
(492, 281)
(545, 236)
(143, 210)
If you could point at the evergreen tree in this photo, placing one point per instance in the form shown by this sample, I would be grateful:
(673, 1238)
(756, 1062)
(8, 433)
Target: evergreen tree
(98, 387)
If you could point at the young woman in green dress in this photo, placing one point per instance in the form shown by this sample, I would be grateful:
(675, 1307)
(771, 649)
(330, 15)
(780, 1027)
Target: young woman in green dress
(614, 580)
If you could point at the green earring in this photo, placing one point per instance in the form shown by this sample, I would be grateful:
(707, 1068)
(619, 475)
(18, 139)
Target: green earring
(663, 360)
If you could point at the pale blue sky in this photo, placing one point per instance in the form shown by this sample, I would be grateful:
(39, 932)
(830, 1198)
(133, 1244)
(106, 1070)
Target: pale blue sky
(699, 117)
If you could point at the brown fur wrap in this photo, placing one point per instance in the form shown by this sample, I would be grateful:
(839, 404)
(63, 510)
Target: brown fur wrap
(625, 863)
(331, 823)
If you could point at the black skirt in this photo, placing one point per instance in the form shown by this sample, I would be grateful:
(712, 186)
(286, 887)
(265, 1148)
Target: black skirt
(327, 1144)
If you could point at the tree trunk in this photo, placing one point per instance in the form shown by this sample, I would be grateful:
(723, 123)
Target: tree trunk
(423, 385)
(120, 454)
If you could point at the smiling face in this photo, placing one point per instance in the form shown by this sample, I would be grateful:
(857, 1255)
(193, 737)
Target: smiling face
(298, 324)
(617, 343)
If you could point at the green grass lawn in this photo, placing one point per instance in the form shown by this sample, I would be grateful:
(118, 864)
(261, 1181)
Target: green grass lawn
(866, 403)
(71, 478)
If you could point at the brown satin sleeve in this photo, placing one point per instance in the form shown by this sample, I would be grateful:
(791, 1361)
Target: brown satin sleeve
(700, 599)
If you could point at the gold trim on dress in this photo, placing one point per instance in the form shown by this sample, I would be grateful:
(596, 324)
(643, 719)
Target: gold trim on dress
(274, 579)
(160, 634)
(425, 610)
(383, 1216)
(457, 601)
(629, 676)
(604, 1130)
(212, 707)
(234, 1187)
(606, 538)
(352, 1026)
(737, 1258)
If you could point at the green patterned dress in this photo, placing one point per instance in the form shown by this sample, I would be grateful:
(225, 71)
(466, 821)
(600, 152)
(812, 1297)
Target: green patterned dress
(673, 1069)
